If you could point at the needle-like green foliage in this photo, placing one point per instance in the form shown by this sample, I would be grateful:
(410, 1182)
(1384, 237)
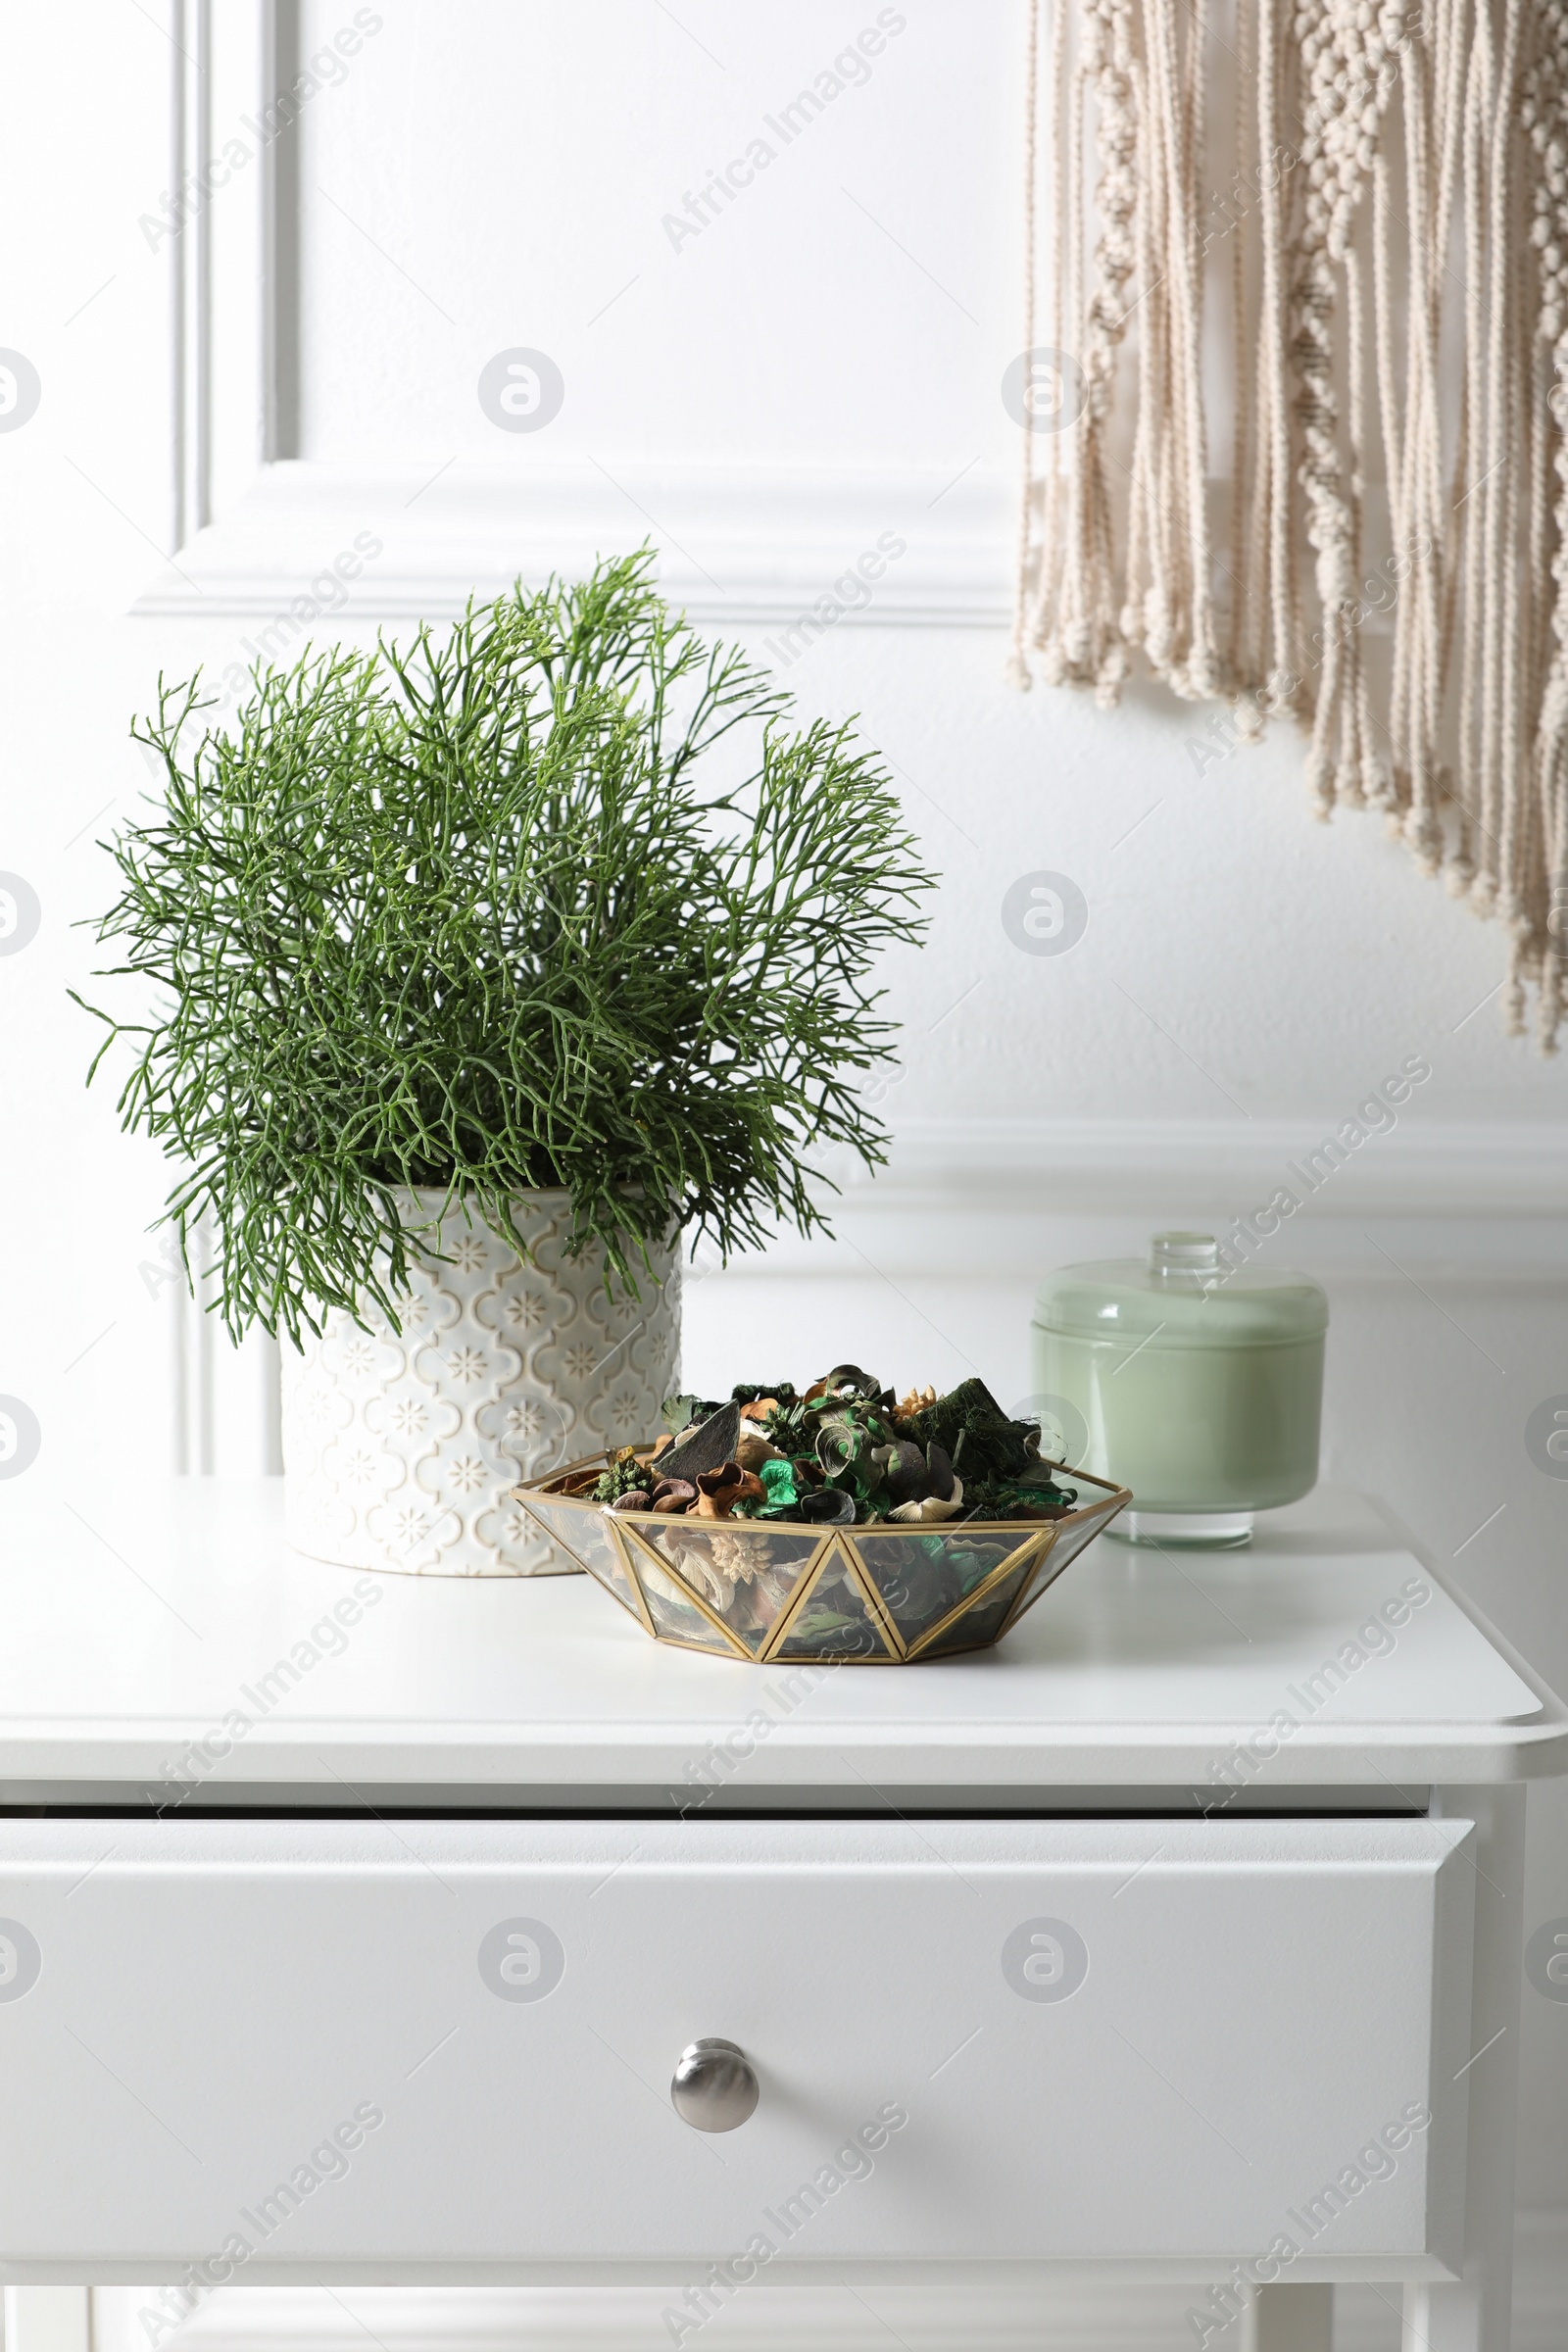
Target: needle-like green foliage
(480, 915)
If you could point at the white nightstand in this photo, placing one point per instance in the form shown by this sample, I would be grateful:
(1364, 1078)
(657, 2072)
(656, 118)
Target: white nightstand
(351, 1930)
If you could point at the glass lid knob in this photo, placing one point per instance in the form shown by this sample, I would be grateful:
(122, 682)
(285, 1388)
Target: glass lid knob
(1184, 1253)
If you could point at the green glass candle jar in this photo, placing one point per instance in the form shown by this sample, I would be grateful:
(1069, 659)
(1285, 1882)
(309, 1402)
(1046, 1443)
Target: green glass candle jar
(1197, 1382)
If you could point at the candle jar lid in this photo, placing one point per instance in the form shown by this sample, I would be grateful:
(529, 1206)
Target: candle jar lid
(1189, 1292)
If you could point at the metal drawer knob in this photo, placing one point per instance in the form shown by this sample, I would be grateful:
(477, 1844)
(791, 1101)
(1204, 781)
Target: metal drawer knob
(714, 2088)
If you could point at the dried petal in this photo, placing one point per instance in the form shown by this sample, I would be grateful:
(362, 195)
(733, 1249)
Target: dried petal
(781, 1486)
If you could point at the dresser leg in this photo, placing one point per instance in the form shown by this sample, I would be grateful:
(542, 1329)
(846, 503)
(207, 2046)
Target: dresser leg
(1290, 2318)
(1472, 2315)
(48, 2319)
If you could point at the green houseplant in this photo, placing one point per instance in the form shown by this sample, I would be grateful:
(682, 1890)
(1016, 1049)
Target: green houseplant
(481, 970)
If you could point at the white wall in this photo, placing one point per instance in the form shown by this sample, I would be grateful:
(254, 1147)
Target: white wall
(817, 367)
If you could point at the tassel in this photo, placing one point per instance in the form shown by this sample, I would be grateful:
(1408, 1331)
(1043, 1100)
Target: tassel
(1373, 143)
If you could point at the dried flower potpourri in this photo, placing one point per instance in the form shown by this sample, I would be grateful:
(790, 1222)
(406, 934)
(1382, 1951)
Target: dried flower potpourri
(844, 1452)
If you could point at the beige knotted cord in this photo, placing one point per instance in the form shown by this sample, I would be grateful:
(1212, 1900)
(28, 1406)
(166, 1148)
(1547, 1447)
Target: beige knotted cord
(1240, 372)
(1018, 668)
(1544, 118)
(1401, 197)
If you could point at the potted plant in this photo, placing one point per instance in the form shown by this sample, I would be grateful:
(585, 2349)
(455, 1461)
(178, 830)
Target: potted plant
(480, 971)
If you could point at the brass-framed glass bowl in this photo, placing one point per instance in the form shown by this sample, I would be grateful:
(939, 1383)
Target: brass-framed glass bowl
(763, 1589)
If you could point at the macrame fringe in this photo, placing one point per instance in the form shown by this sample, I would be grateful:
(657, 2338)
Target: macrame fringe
(1395, 232)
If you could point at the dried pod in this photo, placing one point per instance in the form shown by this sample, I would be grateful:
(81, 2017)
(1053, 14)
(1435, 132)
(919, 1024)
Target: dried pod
(674, 1494)
(939, 1472)
(845, 1446)
(904, 1471)
(754, 1451)
(827, 1506)
(719, 1490)
(637, 1499)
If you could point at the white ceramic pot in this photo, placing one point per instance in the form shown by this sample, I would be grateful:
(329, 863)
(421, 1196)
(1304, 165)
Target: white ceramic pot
(399, 1451)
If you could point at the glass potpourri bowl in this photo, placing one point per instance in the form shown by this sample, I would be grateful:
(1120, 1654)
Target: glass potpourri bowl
(776, 1589)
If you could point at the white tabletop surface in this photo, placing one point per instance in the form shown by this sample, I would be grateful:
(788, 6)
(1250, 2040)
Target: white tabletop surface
(136, 1621)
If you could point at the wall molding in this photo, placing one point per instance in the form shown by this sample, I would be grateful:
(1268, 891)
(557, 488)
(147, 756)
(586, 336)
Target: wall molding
(982, 1199)
(1421, 1167)
(251, 525)
(1000, 1199)
(789, 547)
(1485, 1169)
(254, 531)
(218, 223)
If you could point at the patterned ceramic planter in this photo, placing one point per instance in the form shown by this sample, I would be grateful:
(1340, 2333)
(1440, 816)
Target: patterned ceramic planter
(400, 1452)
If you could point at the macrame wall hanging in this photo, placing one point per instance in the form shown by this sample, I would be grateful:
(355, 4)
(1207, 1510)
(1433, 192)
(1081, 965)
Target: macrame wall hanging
(1297, 438)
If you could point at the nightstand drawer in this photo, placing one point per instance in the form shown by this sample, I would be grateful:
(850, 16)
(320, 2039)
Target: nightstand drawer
(261, 2044)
